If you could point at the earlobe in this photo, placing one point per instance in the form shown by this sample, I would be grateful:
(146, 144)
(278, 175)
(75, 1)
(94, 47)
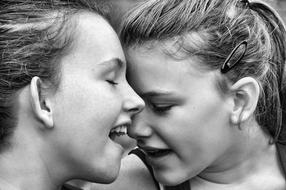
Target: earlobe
(40, 105)
(245, 94)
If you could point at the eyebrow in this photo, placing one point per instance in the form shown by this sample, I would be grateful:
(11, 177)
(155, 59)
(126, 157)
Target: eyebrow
(114, 62)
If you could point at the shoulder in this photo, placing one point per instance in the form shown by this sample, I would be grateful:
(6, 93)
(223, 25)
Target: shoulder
(133, 175)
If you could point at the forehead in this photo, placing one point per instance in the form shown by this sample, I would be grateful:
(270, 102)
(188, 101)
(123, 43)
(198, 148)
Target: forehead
(165, 55)
(150, 69)
(94, 43)
(95, 37)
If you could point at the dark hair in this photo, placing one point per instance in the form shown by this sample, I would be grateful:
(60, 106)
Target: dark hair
(34, 35)
(210, 30)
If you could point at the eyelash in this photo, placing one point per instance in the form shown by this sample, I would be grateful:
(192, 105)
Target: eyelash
(160, 109)
(112, 82)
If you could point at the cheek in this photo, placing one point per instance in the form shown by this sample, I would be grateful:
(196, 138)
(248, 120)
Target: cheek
(197, 129)
(83, 120)
(91, 105)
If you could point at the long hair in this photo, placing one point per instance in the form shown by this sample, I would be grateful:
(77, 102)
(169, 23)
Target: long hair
(220, 25)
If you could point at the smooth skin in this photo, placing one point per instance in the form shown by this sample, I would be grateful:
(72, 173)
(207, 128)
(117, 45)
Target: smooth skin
(63, 134)
(94, 96)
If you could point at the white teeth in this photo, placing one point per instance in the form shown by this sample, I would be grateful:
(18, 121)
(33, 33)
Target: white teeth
(119, 130)
(125, 130)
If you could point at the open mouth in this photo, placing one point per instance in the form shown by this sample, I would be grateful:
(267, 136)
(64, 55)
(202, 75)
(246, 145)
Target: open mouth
(155, 152)
(118, 131)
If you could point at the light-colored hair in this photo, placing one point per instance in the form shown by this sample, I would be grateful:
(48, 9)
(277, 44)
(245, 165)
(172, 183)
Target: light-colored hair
(210, 30)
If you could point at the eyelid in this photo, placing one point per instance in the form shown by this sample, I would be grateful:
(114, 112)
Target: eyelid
(112, 75)
(113, 71)
(162, 105)
(112, 82)
(161, 100)
(159, 109)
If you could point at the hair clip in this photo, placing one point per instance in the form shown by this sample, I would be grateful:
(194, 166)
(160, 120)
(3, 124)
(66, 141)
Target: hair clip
(228, 64)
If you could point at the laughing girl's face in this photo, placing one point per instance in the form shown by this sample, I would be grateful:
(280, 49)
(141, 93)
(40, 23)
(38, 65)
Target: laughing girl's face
(93, 102)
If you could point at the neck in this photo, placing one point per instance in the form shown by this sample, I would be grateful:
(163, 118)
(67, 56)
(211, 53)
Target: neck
(24, 166)
(249, 161)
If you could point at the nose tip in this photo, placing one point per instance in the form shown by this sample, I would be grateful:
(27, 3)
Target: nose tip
(139, 129)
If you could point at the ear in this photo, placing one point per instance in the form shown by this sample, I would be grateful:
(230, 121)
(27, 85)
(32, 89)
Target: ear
(41, 106)
(245, 94)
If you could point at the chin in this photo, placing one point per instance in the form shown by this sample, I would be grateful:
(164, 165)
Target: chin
(104, 169)
(106, 175)
(171, 179)
(108, 178)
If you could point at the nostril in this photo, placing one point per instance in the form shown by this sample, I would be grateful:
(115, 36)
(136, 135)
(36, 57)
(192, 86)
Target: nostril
(139, 130)
(135, 110)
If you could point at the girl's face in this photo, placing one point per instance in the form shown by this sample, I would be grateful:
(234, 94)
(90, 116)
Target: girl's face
(185, 127)
(93, 98)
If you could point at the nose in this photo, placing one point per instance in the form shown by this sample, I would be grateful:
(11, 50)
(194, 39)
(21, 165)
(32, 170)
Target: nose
(140, 129)
(133, 104)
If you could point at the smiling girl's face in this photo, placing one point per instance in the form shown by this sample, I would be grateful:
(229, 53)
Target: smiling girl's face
(185, 127)
(93, 99)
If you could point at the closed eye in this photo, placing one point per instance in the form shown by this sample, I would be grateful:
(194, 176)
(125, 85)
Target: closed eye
(160, 108)
(112, 82)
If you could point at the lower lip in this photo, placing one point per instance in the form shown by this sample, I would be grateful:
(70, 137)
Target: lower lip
(159, 159)
(158, 156)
